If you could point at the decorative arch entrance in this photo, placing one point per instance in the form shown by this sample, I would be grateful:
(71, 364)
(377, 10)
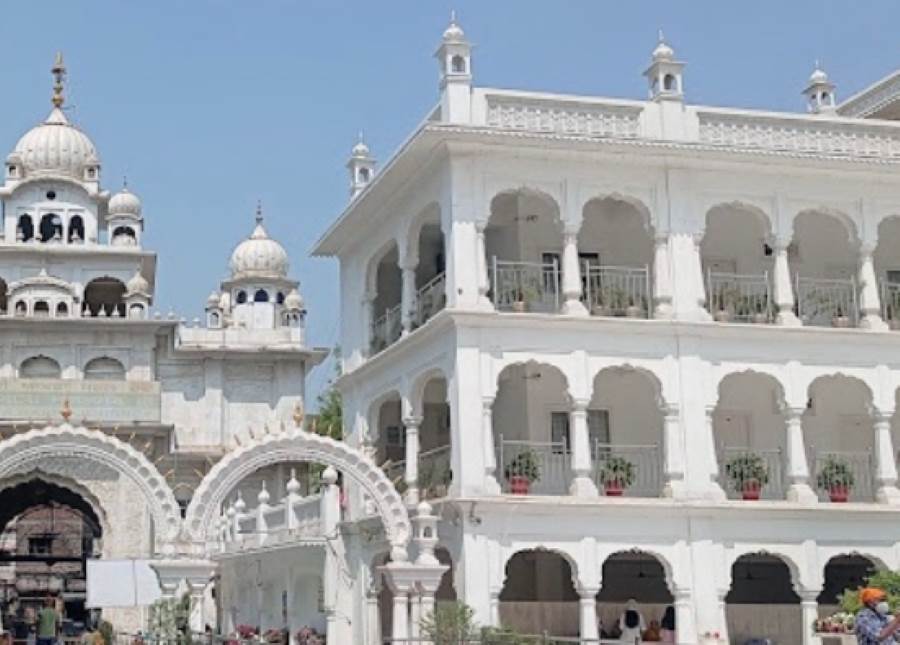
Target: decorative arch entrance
(28, 452)
(297, 445)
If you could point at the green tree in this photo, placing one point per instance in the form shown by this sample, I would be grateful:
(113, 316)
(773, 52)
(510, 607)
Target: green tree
(887, 581)
(329, 422)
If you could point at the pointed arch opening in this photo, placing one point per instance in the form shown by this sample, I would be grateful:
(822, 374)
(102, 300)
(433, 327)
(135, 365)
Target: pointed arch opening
(430, 251)
(385, 287)
(104, 296)
(633, 576)
(762, 601)
(539, 595)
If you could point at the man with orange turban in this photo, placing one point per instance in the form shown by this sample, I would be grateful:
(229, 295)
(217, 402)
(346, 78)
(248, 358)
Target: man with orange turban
(874, 625)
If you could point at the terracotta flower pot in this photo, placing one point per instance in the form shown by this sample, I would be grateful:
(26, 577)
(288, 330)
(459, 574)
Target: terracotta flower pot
(750, 490)
(519, 485)
(613, 489)
(520, 306)
(722, 315)
(838, 494)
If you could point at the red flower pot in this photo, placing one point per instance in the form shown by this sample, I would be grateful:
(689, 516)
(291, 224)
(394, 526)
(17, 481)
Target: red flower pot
(614, 489)
(838, 494)
(750, 490)
(519, 485)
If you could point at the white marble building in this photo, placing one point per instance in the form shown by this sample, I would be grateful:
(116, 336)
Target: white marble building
(78, 338)
(671, 291)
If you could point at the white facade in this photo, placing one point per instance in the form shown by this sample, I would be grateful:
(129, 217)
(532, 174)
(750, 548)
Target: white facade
(594, 281)
(164, 400)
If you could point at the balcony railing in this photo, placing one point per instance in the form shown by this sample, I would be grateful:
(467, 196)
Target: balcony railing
(739, 298)
(435, 474)
(525, 286)
(430, 299)
(826, 302)
(551, 461)
(890, 303)
(386, 329)
(772, 461)
(636, 469)
(828, 467)
(616, 291)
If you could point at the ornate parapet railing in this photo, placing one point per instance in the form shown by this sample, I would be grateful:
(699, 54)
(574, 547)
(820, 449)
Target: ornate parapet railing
(386, 329)
(294, 519)
(890, 303)
(561, 116)
(741, 461)
(546, 464)
(636, 470)
(827, 302)
(739, 298)
(616, 291)
(525, 286)
(430, 299)
(800, 134)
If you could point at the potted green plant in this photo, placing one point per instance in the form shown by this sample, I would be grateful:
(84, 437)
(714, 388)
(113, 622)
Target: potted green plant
(840, 319)
(618, 301)
(600, 305)
(729, 302)
(522, 471)
(617, 474)
(748, 474)
(837, 478)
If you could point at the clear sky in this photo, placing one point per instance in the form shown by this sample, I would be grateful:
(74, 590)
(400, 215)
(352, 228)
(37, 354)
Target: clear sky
(208, 105)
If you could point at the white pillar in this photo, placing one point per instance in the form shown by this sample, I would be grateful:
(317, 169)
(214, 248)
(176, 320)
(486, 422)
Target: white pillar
(481, 257)
(809, 611)
(408, 295)
(415, 614)
(662, 278)
(715, 488)
(673, 452)
(411, 475)
(400, 616)
(494, 612)
(689, 296)
(685, 627)
(491, 484)
(587, 605)
(885, 466)
(869, 298)
(373, 617)
(797, 467)
(571, 276)
(582, 484)
(368, 317)
(783, 286)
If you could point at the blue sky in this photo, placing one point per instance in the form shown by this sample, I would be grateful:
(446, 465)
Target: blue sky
(208, 105)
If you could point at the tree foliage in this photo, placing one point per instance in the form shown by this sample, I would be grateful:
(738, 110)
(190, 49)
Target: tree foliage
(329, 421)
(887, 581)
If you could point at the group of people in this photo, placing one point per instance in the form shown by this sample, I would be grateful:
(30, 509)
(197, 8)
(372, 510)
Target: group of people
(631, 627)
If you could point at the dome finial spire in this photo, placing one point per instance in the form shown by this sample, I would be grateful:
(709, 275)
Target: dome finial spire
(259, 214)
(661, 37)
(59, 74)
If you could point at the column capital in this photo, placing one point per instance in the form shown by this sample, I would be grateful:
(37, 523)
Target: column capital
(487, 403)
(792, 412)
(670, 411)
(588, 593)
(580, 405)
(570, 234)
(866, 249)
(661, 237)
(780, 243)
(880, 416)
(410, 422)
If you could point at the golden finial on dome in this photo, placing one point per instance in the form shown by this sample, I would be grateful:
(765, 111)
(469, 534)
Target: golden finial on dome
(59, 74)
(298, 414)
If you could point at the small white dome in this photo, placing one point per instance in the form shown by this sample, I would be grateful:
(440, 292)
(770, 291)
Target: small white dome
(137, 284)
(56, 147)
(213, 299)
(293, 300)
(454, 33)
(259, 257)
(360, 150)
(818, 76)
(663, 52)
(125, 202)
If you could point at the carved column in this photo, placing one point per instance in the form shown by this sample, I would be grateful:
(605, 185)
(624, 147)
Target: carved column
(869, 298)
(797, 468)
(885, 466)
(685, 629)
(491, 484)
(373, 616)
(662, 278)
(673, 452)
(411, 475)
(783, 287)
(571, 276)
(408, 295)
(582, 467)
(481, 258)
(809, 611)
(587, 606)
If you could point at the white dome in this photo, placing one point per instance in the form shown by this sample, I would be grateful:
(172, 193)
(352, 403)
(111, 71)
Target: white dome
(360, 150)
(259, 256)
(137, 284)
(293, 300)
(663, 52)
(818, 76)
(56, 148)
(213, 299)
(454, 33)
(125, 202)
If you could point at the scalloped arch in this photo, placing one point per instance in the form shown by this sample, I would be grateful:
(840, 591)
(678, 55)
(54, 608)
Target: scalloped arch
(297, 445)
(26, 451)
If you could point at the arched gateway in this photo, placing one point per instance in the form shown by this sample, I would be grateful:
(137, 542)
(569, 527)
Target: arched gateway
(297, 445)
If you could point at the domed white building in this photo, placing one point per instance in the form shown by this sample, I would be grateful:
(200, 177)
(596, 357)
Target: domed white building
(125, 409)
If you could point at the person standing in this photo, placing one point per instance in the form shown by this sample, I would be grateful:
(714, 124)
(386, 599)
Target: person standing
(631, 624)
(874, 624)
(667, 626)
(48, 623)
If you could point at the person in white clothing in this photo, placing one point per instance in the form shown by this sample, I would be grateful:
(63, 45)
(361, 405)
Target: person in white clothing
(631, 624)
